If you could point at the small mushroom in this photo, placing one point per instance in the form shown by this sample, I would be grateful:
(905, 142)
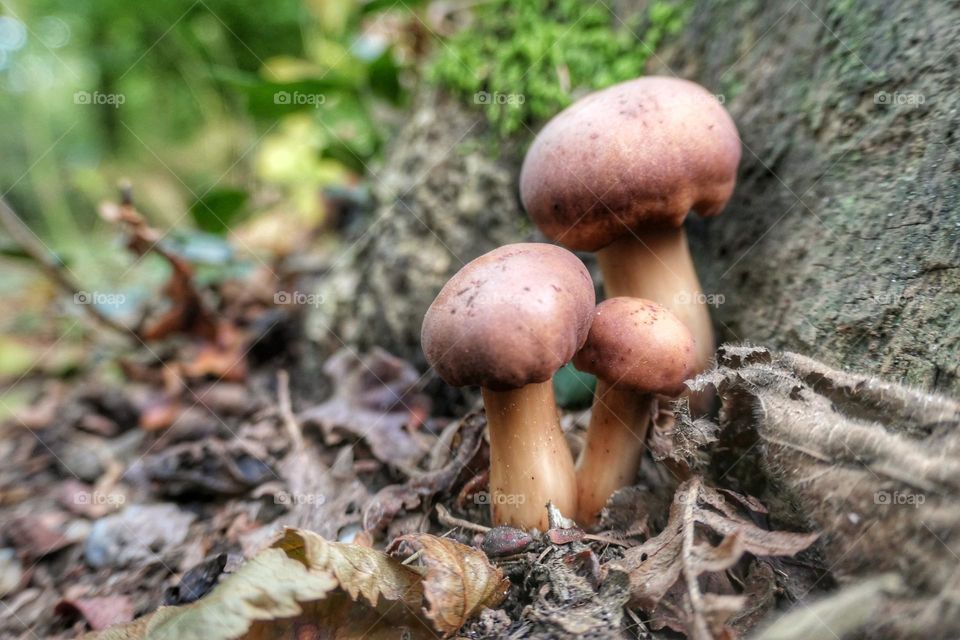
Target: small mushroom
(506, 322)
(618, 171)
(637, 349)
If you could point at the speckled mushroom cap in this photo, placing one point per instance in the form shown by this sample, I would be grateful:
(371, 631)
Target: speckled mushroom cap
(638, 344)
(641, 153)
(510, 318)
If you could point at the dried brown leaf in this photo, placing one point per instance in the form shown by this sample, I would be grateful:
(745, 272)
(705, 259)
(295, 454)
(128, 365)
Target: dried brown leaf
(186, 312)
(325, 493)
(760, 590)
(270, 586)
(360, 571)
(678, 556)
(305, 586)
(459, 583)
(337, 617)
(40, 534)
(375, 398)
(716, 609)
(758, 541)
(393, 499)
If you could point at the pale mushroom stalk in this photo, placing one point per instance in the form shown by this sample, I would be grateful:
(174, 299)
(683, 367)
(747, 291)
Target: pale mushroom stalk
(614, 447)
(530, 463)
(655, 264)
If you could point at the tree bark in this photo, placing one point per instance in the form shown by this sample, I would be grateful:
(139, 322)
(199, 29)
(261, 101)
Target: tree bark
(842, 240)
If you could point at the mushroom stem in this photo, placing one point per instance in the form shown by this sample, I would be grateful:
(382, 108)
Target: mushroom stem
(614, 448)
(657, 266)
(530, 462)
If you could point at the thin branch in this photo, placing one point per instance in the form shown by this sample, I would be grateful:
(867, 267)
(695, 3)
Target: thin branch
(449, 520)
(23, 236)
(286, 409)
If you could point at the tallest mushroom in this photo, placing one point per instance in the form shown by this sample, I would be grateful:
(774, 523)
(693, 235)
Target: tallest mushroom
(617, 172)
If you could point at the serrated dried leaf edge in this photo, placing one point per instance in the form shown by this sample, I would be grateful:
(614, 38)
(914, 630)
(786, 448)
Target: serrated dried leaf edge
(271, 586)
(360, 571)
(302, 567)
(459, 582)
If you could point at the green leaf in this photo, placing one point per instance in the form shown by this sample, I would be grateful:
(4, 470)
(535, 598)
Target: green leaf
(216, 210)
(385, 77)
(374, 6)
(266, 99)
(573, 388)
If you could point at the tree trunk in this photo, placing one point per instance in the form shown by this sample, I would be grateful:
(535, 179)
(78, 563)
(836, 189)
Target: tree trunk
(447, 194)
(842, 240)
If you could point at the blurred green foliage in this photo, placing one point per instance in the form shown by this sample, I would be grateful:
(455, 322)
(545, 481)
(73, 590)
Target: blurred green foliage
(544, 51)
(229, 118)
(213, 108)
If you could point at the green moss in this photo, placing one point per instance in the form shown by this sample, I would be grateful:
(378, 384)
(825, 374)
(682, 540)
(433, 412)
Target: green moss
(524, 61)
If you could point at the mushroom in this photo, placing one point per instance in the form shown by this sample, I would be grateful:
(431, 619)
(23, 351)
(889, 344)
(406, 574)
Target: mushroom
(637, 349)
(506, 322)
(618, 171)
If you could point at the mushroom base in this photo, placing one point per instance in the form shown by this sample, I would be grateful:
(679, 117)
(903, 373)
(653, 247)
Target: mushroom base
(530, 462)
(613, 450)
(657, 266)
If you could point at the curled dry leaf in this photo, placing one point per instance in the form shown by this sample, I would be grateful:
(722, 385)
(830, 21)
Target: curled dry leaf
(664, 570)
(270, 586)
(360, 571)
(393, 499)
(305, 586)
(871, 463)
(187, 313)
(375, 398)
(459, 583)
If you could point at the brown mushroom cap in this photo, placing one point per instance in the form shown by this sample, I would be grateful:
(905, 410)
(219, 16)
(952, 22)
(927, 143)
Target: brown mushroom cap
(641, 153)
(510, 318)
(637, 344)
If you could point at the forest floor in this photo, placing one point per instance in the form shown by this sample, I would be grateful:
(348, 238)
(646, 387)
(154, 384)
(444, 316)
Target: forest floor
(146, 484)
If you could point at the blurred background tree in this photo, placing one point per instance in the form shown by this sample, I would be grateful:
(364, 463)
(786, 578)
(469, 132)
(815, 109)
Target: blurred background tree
(225, 116)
